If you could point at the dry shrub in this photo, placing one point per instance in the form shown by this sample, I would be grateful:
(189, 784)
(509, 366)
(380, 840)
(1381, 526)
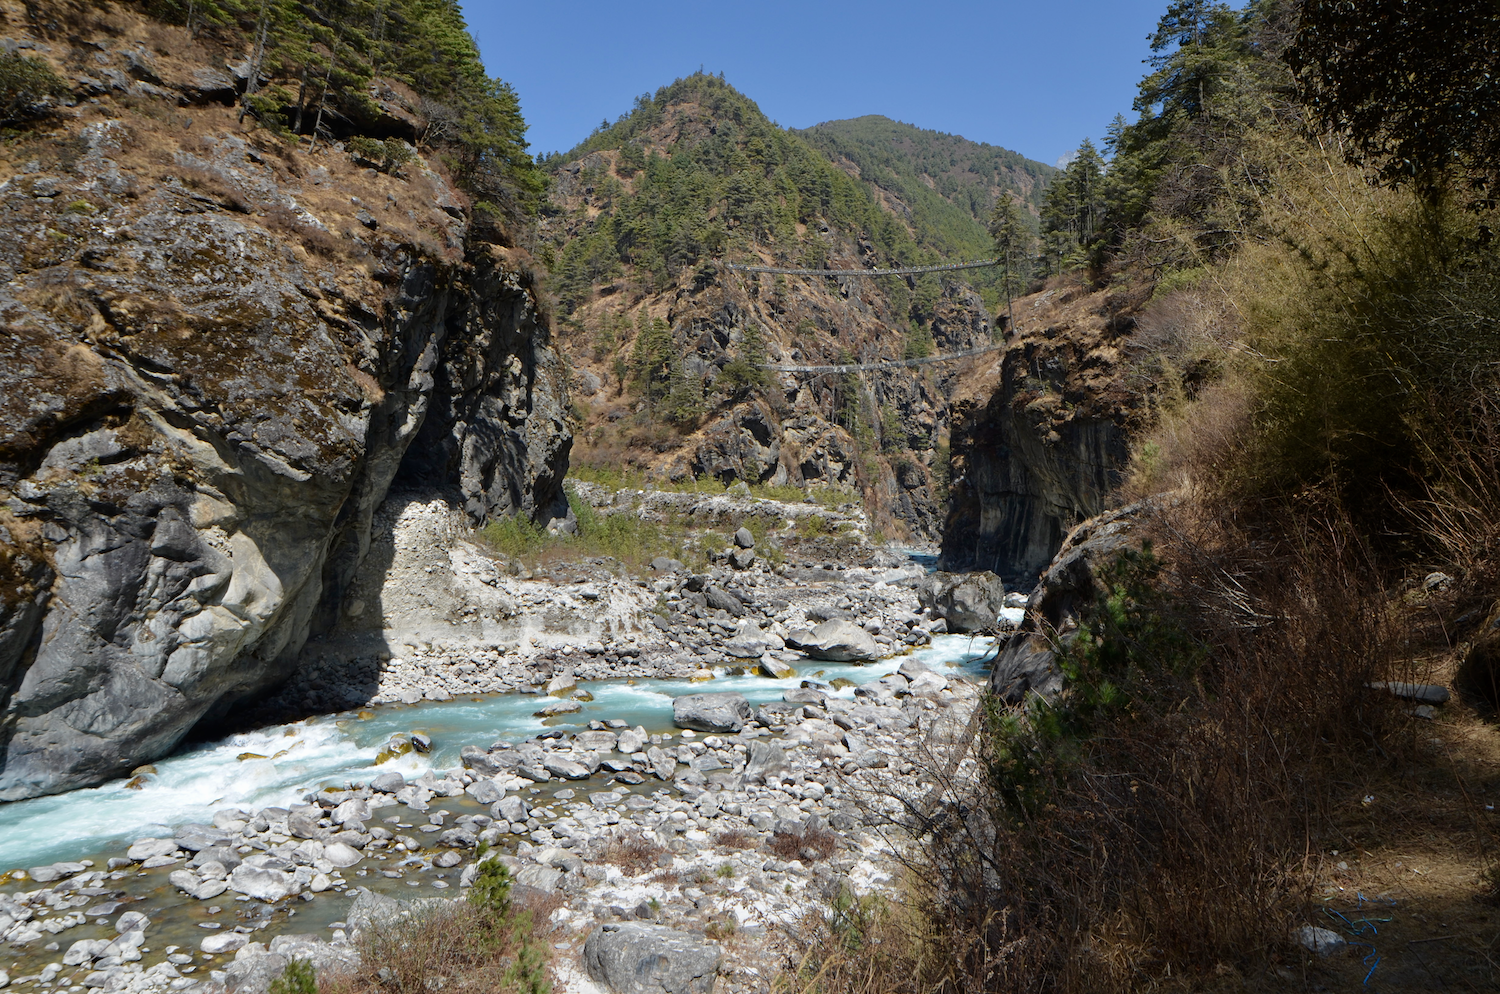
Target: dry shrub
(1163, 827)
(809, 846)
(213, 185)
(736, 838)
(449, 946)
(318, 241)
(635, 855)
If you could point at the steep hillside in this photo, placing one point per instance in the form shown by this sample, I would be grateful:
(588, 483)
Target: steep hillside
(943, 186)
(665, 342)
(218, 346)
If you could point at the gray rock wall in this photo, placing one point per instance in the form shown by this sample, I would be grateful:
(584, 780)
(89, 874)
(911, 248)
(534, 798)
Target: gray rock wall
(199, 418)
(1032, 458)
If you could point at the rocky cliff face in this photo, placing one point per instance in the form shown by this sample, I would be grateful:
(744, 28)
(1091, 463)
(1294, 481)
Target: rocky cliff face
(217, 354)
(1040, 435)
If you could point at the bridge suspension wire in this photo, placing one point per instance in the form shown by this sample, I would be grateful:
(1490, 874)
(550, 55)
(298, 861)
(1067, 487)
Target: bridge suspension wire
(946, 268)
(855, 367)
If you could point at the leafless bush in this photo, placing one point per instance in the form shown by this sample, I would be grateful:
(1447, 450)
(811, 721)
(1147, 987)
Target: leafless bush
(634, 855)
(736, 838)
(809, 846)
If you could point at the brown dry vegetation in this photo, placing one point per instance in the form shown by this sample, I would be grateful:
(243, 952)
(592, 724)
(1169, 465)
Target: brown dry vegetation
(1328, 435)
(635, 855)
(451, 947)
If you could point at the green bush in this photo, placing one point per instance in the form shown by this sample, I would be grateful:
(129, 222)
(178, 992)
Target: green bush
(1370, 312)
(25, 85)
(490, 892)
(298, 978)
(1131, 646)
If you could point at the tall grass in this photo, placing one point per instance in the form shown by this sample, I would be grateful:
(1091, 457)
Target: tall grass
(625, 537)
(1160, 822)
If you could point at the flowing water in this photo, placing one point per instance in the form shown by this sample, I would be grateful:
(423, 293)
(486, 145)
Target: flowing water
(277, 765)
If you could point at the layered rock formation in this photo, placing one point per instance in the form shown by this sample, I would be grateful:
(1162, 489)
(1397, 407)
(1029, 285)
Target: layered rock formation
(1040, 435)
(217, 354)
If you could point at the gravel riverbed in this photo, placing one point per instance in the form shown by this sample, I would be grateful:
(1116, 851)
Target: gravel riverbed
(732, 828)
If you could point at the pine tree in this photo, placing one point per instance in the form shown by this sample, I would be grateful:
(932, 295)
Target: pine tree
(1012, 236)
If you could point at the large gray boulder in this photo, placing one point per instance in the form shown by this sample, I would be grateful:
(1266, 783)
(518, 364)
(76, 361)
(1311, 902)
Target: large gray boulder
(969, 602)
(630, 958)
(712, 712)
(262, 883)
(836, 641)
(1026, 663)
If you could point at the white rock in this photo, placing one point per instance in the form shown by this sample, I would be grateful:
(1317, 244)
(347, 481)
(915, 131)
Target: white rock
(132, 921)
(320, 883)
(341, 855)
(144, 849)
(223, 942)
(1323, 941)
(261, 883)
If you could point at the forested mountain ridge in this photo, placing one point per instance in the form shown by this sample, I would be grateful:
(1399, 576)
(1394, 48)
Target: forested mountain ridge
(667, 342)
(944, 186)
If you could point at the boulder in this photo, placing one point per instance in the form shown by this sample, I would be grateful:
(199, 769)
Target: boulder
(144, 849)
(764, 758)
(744, 539)
(511, 809)
(722, 600)
(262, 884)
(968, 602)
(388, 783)
(304, 825)
(341, 855)
(1068, 587)
(836, 641)
(561, 707)
(196, 837)
(84, 951)
(478, 760)
(562, 766)
(131, 921)
(597, 741)
(748, 643)
(927, 684)
(712, 712)
(776, 669)
(485, 792)
(353, 809)
(663, 764)
(223, 942)
(632, 958)
(742, 559)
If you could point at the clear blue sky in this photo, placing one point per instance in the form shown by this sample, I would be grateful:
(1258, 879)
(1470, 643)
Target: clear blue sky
(1035, 76)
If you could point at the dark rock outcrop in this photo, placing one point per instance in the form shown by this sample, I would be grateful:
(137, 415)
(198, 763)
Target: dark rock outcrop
(1027, 662)
(1040, 441)
(200, 415)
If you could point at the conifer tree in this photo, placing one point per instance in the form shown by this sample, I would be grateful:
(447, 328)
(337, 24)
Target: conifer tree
(1013, 248)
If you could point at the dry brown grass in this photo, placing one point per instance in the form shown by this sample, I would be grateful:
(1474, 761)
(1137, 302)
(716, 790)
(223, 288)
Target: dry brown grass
(809, 846)
(736, 838)
(635, 855)
(1178, 843)
(449, 947)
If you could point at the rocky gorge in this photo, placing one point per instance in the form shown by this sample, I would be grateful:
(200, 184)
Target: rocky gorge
(735, 822)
